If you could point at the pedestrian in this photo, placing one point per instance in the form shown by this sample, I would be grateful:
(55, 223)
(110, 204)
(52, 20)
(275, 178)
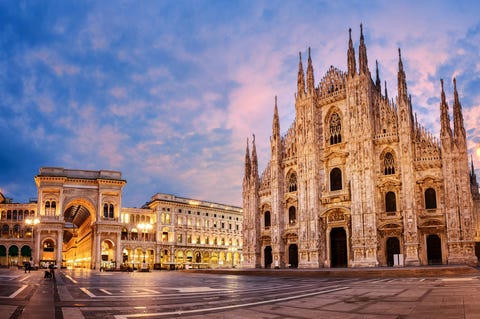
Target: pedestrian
(52, 270)
(30, 264)
(25, 265)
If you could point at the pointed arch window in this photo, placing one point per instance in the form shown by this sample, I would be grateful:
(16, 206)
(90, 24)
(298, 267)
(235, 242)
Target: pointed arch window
(335, 179)
(389, 164)
(430, 199)
(267, 220)
(390, 203)
(292, 215)
(335, 129)
(292, 182)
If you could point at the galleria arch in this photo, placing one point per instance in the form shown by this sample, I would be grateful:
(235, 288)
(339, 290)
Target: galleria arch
(79, 213)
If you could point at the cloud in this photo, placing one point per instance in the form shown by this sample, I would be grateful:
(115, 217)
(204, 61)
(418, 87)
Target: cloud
(168, 92)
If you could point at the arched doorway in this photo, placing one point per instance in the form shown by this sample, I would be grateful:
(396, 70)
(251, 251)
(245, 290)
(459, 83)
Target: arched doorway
(434, 250)
(293, 255)
(198, 258)
(13, 254)
(47, 253)
(78, 244)
(338, 247)
(393, 248)
(108, 255)
(3, 256)
(268, 256)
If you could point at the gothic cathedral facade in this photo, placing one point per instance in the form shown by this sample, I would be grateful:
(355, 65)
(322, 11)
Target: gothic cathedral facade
(357, 181)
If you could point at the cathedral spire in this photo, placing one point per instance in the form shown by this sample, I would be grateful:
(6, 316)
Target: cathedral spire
(473, 168)
(254, 159)
(458, 126)
(386, 93)
(402, 82)
(276, 121)
(445, 129)
(362, 55)
(301, 78)
(248, 165)
(310, 78)
(352, 68)
(377, 80)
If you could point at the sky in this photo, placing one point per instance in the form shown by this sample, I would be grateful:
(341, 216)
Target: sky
(167, 92)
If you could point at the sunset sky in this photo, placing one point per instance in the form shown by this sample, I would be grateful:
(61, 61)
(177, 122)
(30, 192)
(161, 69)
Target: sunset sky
(167, 92)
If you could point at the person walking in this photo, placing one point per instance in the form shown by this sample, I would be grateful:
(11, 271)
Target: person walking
(30, 264)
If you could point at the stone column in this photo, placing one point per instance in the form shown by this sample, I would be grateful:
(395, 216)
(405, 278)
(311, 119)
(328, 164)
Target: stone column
(59, 248)
(118, 251)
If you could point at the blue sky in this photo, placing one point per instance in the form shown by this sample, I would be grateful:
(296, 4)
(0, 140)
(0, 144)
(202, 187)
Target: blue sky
(168, 91)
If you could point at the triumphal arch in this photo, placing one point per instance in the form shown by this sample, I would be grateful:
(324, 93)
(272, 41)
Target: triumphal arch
(78, 217)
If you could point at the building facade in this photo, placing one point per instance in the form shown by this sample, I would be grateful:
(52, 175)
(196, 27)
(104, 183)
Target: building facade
(78, 221)
(357, 181)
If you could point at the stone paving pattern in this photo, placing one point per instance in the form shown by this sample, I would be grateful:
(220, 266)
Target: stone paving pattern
(429, 292)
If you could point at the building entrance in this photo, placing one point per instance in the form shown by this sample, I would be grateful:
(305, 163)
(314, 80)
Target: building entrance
(338, 247)
(293, 255)
(393, 248)
(434, 250)
(77, 237)
(268, 256)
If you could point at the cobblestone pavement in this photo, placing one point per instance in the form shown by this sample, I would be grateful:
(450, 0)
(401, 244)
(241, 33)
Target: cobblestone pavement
(85, 294)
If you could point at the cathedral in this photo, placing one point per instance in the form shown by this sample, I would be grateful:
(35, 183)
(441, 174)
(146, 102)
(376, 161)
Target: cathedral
(357, 181)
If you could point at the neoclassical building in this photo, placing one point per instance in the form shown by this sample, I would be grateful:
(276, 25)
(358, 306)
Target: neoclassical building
(78, 220)
(357, 181)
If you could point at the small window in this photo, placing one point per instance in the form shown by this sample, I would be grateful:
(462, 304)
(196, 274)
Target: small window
(390, 202)
(292, 215)
(335, 179)
(267, 219)
(430, 199)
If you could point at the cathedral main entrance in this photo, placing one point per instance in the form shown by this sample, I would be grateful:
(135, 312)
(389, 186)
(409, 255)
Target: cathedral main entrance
(434, 250)
(338, 247)
(267, 252)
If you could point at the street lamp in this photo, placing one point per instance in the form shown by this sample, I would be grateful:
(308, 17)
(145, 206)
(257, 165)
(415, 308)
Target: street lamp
(32, 222)
(233, 250)
(145, 227)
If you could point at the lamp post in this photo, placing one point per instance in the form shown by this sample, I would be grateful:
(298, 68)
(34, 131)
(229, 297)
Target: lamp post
(145, 227)
(233, 250)
(32, 222)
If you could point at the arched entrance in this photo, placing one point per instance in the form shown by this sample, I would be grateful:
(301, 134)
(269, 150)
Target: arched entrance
(293, 255)
(198, 258)
(13, 255)
(107, 255)
(338, 247)
(434, 250)
(393, 248)
(78, 238)
(47, 253)
(268, 256)
(3, 256)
